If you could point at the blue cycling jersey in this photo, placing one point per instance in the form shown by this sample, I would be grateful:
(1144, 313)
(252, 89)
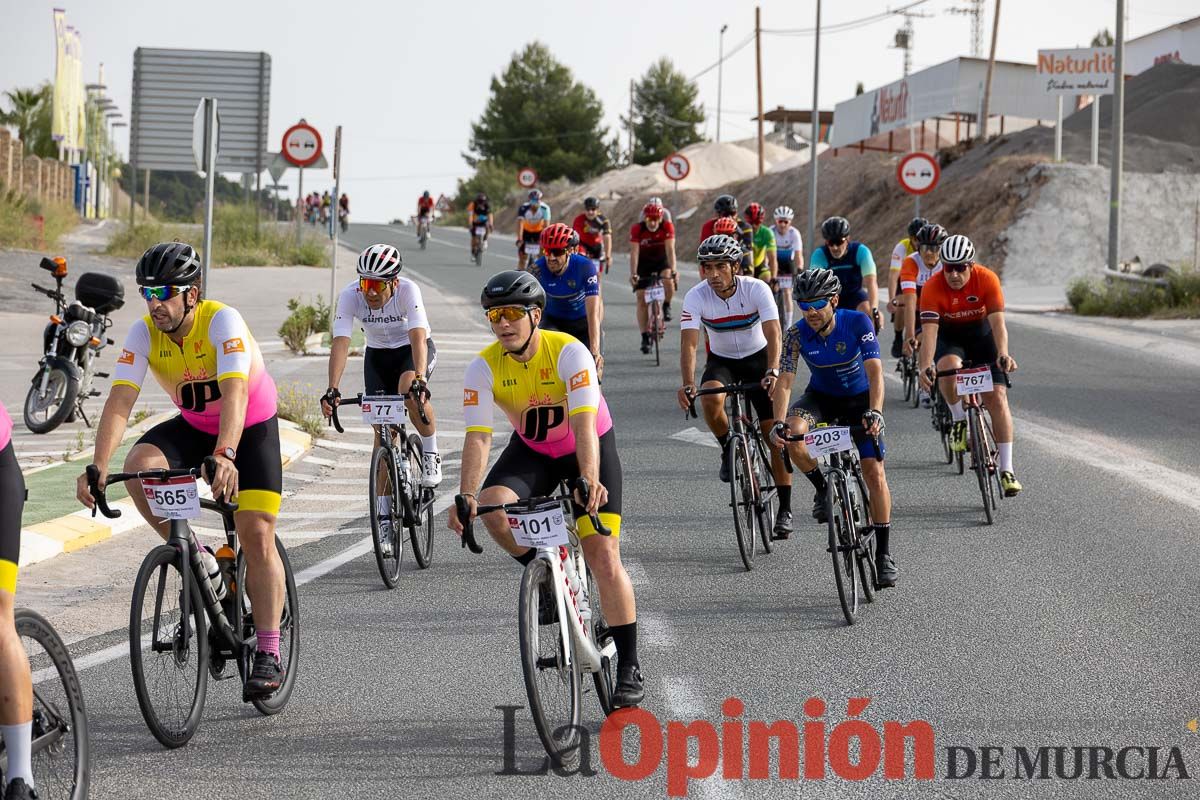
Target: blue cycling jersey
(854, 265)
(566, 293)
(835, 362)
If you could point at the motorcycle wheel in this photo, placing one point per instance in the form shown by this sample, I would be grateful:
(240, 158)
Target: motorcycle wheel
(61, 390)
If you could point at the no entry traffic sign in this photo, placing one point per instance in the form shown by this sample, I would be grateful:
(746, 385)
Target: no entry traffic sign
(676, 166)
(301, 144)
(918, 173)
(527, 178)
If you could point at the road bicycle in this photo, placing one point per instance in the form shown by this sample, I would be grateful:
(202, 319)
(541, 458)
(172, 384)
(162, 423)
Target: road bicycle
(172, 651)
(60, 747)
(655, 296)
(422, 231)
(479, 240)
(396, 468)
(943, 422)
(847, 511)
(752, 487)
(556, 586)
(971, 382)
(907, 367)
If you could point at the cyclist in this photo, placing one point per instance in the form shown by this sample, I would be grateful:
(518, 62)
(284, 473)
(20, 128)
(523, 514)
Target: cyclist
(202, 354)
(546, 384)
(657, 201)
(326, 202)
(763, 261)
(479, 215)
(845, 387)
(903, 249)
(914, 272)
(595, 234)
(16, 681)
(962, 319)
(739, 315)
(789, 251)
(572, 287)
(651, 259)
(532, 218)
(425, 205)
(726, 206)
(853, 264)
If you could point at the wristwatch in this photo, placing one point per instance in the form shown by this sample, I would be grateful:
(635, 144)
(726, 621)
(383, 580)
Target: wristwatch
(228, 452)
(773, 372)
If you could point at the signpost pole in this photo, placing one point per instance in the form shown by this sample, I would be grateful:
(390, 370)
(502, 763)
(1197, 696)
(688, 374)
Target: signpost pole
(300, 207)
(1058, 132)
(812, 143)
(335, 212)
(1095, 130)
(1118, 134)
(210, 175)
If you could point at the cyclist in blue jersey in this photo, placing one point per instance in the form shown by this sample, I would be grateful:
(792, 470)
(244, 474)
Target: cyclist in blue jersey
(854, 266)
(572, 286)
(845, 387)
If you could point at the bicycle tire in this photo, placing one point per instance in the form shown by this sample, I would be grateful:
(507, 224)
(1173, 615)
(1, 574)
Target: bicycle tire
(906, 378)
(289, 632)
(958, 462)
(655, 325)
(944, 424)
(841, 533)
(53, 736)
(765, 507)
(745, 516)
(912, 380)
(420, 533)
(542, 673)
(995, 490)
(979, 463)
(601, 635)
(159, 564)
(389, 565)
(867, 572)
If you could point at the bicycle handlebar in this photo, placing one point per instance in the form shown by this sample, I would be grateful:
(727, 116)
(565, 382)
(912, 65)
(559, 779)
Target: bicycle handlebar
(357, 400)
(463, 508)
(950, 373)
(208, 467)
(732, 388)
(787, 437)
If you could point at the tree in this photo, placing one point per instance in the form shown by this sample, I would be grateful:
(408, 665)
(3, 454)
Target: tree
(1102, 38)
(539, 116)
(31, 114)
(665, 113)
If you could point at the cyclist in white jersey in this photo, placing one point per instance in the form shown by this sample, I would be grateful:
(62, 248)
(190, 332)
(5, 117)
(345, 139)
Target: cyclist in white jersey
(789, 253)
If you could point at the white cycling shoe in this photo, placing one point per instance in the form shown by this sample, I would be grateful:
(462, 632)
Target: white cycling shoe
(431, 473)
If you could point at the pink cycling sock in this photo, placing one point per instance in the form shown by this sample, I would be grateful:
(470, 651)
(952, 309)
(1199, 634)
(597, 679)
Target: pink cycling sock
(268, 642)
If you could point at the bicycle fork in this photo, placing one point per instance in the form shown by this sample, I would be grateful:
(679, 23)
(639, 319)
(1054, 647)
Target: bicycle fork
(189, 549)
(565, 566)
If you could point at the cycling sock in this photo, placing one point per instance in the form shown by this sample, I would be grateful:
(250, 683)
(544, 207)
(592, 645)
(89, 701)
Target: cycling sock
(882, 531)
(383, 504)
(268, 642)
(18, 741)
(625, 638)
(817, 479)
(429, 444)
(526, 557)
(785, 498)
(723, 440)
(956, 411)
(1004, 455)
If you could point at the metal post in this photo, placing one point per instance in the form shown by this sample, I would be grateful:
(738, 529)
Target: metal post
(1118, 136)
(631, 139)
(210, 179)
(1058, 131)
(720, 70)
(816, 132)
(335, 209)
(758, 76)
(300, 208)
(1095, 130)
(146, 199)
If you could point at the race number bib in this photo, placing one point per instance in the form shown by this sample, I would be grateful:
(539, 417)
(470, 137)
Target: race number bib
(973, 381)
(785, 281)
(480, 231)
(544, 527)
(656, 292)
(827, 441)
(384, 408)
(174, 498)
(532, 250)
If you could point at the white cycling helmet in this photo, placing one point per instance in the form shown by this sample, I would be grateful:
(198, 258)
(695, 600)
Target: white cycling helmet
(381, 261)
(957, 250)
(784, 212)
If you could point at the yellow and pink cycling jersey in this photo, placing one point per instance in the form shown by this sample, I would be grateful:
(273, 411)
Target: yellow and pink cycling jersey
(218, 346)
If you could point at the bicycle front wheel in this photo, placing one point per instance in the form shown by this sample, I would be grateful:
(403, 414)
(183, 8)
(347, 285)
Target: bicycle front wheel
(289, 632)
(842, 543)
(656, 325)
(741, 493)
(765, 507)
(61, 749)
(601, 636)
(170, 665)
(552, 679)
(865, 554)
(385, 528)
(420, 532)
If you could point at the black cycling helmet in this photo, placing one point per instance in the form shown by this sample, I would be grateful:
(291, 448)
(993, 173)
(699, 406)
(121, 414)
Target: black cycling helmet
(168, 264)
(591, 203)
(725, 206)
(814, 284)
(481, 197)
(932, 235)
(513, 288)
(835, 229)
(916, 225)
(425, 193)
(719, 247)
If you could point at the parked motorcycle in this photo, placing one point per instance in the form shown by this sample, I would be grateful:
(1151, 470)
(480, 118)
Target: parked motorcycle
(73, 341)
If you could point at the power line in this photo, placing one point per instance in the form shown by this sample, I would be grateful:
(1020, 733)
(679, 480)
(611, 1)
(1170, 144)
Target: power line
(840, 27)
(718, 62)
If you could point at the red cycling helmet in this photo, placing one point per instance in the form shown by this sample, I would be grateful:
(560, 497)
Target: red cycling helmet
(755, 213)
(652, 211)
(556, 237)
(725, 225)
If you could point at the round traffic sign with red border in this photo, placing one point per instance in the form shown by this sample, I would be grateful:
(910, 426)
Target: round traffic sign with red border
(527, 177)
(301, 144)
(918, 173)
(677, 166)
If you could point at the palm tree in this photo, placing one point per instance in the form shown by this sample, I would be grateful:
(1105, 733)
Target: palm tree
(31, 115)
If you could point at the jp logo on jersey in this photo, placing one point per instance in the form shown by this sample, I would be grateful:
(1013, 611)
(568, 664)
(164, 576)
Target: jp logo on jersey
(541, 420)
(195, 395)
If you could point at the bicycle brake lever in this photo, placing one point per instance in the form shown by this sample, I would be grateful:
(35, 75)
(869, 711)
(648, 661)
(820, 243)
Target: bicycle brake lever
(463, 509)
(93, 474)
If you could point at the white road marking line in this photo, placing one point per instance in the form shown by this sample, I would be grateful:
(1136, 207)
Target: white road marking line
(320, 462)
(694, 435)
(353, 446)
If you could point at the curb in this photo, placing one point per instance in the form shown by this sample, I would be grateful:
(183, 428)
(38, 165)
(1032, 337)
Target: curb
(133, 430)
(79, 529)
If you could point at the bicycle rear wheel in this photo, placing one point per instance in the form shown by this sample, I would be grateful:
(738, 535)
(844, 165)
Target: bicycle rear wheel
(842, 538)
(979, 462)
(384, 482)
(741, 493)
(552, 678)
(906, 377)
(420, 532)
(601, 636)
(61, 750)
(911, 380)
(170, 670)
(289, 633)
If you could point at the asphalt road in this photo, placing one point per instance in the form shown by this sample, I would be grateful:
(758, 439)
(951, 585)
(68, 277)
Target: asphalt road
(1068, 623)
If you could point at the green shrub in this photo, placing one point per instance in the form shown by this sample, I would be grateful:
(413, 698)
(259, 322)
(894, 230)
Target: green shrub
(17, 228)
(1180, 298)
(301, 407)
(302, 322)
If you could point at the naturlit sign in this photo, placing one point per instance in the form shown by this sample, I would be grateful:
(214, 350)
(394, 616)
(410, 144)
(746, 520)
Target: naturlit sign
(1087, 70)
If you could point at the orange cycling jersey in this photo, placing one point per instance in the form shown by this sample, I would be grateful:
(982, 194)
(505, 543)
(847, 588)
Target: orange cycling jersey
(970, 305)
(915, 273)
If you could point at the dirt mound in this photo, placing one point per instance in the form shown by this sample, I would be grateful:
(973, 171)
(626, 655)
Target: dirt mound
(1161, 103)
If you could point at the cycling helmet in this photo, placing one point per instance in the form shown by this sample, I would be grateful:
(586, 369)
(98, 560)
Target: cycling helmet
(380, 261)
(725, 206)
(425, 193)
(512, 288)
(814, 284)
(556, 237)
(835, 228)
(755, 213)
(726, 225)
(957, 249)
(591, 203)
(574, 240)
(932, 235)
(784, 212)
(168, 264)
(651, 211)
(655, 201)
(916, 225)
(719, 247)
(535, 196)
(481, 198)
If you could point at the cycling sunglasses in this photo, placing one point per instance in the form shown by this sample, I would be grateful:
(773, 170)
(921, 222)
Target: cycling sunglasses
(509, 313)
(782, 221)
(556, 252)
(161, 293)
(375, 285)
(956, 267)
(835, 242)
(813, 305)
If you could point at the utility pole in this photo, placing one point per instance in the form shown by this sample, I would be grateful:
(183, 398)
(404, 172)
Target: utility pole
(1118, 135)
(974, 9)
(905, 39)
(982, 127)
(816, 135)
(720, 76)
(631, 120)
(758, 74)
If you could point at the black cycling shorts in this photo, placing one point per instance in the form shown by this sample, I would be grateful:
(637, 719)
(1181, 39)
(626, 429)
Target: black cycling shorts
(12, 502)
(785, 264)
(258, 462)
(576, 327)
(814, 407)
(649, 269)
(383, 366)
(529, 473)
(850, 299)
(974, 344)
(750, 369)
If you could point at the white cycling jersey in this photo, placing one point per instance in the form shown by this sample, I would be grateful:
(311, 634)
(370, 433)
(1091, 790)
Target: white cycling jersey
(734, 324)
(386, 328)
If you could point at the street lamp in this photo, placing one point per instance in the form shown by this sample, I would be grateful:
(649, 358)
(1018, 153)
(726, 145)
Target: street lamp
(720, 69)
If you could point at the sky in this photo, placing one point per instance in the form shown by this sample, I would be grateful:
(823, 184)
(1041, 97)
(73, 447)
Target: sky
(406, 79)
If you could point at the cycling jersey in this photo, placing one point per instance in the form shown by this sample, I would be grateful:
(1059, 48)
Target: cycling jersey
(424, 205)
(854, 265)
(965, 308)
(386, 327)
(788, 248)
(12, 502)
(591, 233)
(835, 362)
(914, 273)
(763, 242)
(733, 324)
(903, 249)
(540, 396)
(478, 213)
(218, 346)
(6, 426)
(533, 218)
(652, 246)
(566, 294)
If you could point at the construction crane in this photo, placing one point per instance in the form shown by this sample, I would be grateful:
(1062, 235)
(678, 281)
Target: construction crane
(975, 9)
